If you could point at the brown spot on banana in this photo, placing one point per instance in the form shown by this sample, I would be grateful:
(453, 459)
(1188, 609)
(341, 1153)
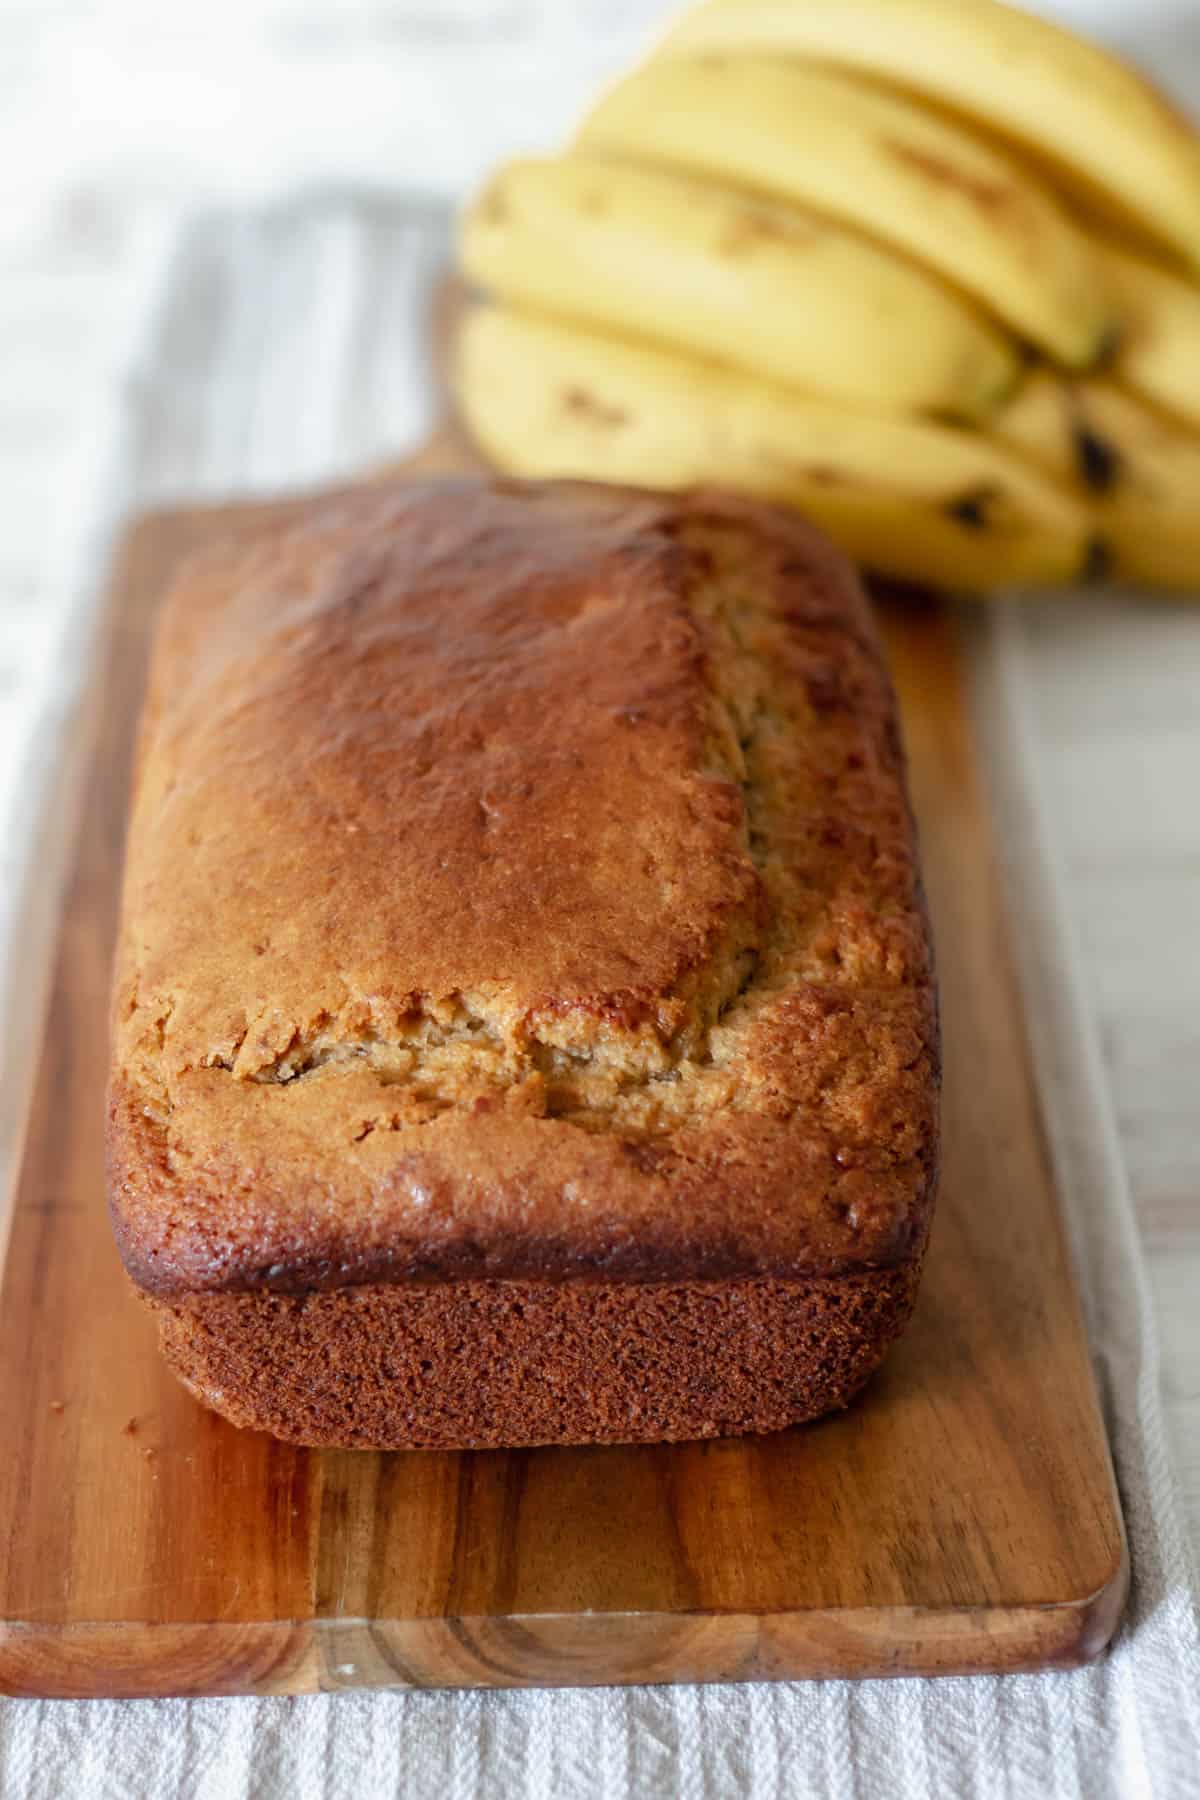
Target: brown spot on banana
(1097, 560)
(749, 228)
(582, 405)
(1100, 462)
(988, 196)
(973, 508)
(1115, 338)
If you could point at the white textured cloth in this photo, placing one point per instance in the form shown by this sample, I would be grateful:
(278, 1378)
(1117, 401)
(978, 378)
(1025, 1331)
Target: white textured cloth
(288, 346)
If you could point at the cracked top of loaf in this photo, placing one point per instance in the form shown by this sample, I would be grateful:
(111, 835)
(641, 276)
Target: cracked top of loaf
(520, 881)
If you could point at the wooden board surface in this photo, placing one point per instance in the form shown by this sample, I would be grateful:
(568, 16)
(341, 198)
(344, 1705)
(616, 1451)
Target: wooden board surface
(961, 1517)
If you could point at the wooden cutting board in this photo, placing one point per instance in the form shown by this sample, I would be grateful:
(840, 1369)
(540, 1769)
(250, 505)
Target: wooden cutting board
(960, 1517)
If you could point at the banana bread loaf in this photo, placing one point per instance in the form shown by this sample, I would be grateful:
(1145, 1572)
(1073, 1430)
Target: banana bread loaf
(524, 1028)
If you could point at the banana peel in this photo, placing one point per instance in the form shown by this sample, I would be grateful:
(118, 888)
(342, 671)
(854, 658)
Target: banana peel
(1138, 472)
(1105, 134)
(909, 498)
(780, 292)
(882, 164)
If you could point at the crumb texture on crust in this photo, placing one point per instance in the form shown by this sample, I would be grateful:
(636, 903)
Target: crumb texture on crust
(521, 882)
(486, 1364)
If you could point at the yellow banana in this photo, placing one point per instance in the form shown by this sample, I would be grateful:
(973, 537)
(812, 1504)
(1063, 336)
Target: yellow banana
(786, 294)
(1107, 133)
(912, 179)
(908, 497)
(1159, 352)
(1142, 472)
(1053, 420)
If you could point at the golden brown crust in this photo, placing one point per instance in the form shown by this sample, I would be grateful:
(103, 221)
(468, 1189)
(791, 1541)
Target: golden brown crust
(521, 885)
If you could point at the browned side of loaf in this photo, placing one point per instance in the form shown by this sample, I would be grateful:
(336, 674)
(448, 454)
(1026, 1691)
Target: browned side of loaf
(482, 1364)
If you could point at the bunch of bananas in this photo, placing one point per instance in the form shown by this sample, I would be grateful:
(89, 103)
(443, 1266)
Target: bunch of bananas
(927, 269)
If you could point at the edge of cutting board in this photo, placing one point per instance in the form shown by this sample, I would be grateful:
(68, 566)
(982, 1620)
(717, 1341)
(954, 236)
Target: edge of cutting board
(240, 1566)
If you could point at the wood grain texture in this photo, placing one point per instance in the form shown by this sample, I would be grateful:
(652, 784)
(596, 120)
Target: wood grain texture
(961, 1517)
